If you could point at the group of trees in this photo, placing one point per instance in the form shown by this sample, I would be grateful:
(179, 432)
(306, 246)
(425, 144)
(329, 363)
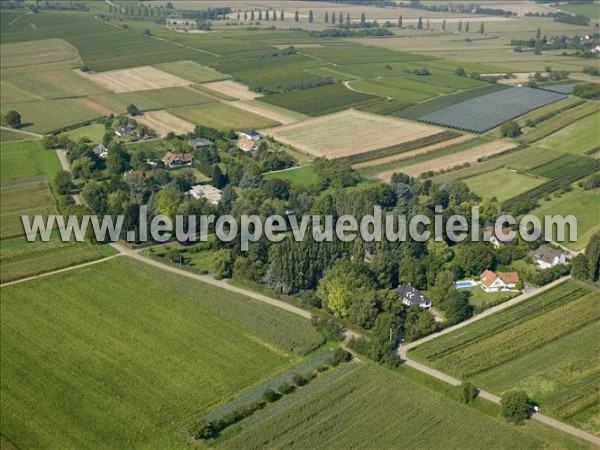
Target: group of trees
(586, 266)
(13, 119)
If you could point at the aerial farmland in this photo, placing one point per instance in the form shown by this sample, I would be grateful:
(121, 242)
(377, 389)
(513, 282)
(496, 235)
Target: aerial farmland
(144, 114)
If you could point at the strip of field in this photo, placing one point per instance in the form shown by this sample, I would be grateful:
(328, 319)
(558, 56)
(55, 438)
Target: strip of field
(152, 349)
(579, 137)
(494, 351)
(163, 122)
(135, 79)
(13, 135)
(9, 93)
(449, 161)
(346, 412)
(405, 90)
(54, 84)
(232, 89)
(222, 117)
(192, 71)
(558, 167)
(501, 183)
(284, 116)
(349, 133)
(27, 159)
(561, 121)
(409, 154)
(25, 56)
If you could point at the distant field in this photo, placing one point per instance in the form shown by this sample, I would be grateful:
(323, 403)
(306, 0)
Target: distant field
(222, 117)
(361, 55)
(562, 378)
(321, 100)
(54, 84)
(154, 99)
(501, 183)
(345, 413)
(135, 79)
(37, 55)
(232, 89)
(153, 349)
(578, 137)
(27, 159)
(192, 71)
(9, 93)
(583, 205)
(404, 90)
(590, 10)
(348, 133)
(304, 176)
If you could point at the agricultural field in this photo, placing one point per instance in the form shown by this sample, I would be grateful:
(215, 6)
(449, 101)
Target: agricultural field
(579, 137)
(222, 117)
(408, 91)
(320, 100)
(502, 183)
(27, 159)
(557, 123)
(345, 413)
(558, 167)
(136, 79)
(46, 54)
(591, 10)
(164, 122)
(10, 135)
(488, 111)
(53, 84)
(349, 133)
(361, 55)
(189, 70)
(238, 343)
(94, 132)
(556, 375)
(282, 115)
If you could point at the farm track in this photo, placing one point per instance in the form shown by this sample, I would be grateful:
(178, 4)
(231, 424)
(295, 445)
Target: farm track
(29, 133)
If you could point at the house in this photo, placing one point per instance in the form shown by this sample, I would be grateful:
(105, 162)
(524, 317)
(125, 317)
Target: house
(411, 296)
(247, 145)
(546, 257)
(494, 239)
(123, 130)
(173, 160)
(495, 282)
(249, 133)
(181, 24)
(101, 151)
(210, 193)
(200, 143)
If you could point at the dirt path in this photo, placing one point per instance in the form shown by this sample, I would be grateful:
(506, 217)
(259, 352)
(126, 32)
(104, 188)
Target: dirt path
(29, 133)
(64, 163)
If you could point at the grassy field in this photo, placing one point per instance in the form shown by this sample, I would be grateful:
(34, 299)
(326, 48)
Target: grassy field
(192, 71)
(501, 183)
(321, 100)
(27, 159)
(222, 117)
(590, 10)
(560, 122)
(480, 299)
(578, 137)
(128, 378)
(303, 176)
(10, 135)
(405, 90)
(346, 412)
(94, 132)
(44, 54)
(558, 167)
(54, 84)
(482, 352)
(361, 55)
(583, 205)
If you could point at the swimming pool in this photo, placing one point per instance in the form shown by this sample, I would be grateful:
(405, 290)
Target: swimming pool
(464, 284)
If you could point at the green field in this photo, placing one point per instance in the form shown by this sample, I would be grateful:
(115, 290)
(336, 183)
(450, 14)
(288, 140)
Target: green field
(345, 414)
(36, 54)
(583, 205)
(590, 10)
(54, 84)
(129, 354)
(494, 351)
(222, 117)
(560, 166)
(502, 184)
(361, 55)
(578, 137)
(303, 176)
(481, 299)
(10, 135)
(559, 122)
(27, 159)
(192, 71)
(321, 100)
(405, 90)
(94, 132)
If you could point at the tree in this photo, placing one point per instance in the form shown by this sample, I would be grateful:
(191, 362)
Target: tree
(333, 18)
(282, 15)
(444, 25)
(267, 15)
(13, 118)
(400, 21)
(580, 269)
(167, 201)
(311, 16)
(341, 19)
(467, 26)
(538, 34)
(592, 252)
(420, 24)
(460, 72)
(363, 18)
(218, 180)
(443, 287)
(133, 110)
(510, 129)
(252, 15)
(223, 264)
(348, 19)
(482, 28)
(326, 19)
(459, 26)
(245, 16)
(296, 17)
(63, 182)
(147, 32)
(515, 406)
(468, 392)
(117, 161)
(238, 16)
(259, 14)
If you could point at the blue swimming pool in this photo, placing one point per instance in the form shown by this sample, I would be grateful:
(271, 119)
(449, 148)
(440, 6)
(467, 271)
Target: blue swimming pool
(464, 284)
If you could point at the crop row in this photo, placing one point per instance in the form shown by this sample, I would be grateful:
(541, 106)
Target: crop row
(564, 164)
(402, 148)
(558, 123)
(533, 195)
(385, 107)
(583, 399)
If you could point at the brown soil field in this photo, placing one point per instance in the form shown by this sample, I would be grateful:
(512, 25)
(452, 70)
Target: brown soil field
(163, 122)
(136, 79)
(410, 154)
(447, 162)
(232, 89)
(349, 132)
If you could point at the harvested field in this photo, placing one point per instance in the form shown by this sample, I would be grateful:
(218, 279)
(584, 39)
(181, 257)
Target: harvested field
(419, 151)
(136, 79)
(192, 71)
(349, 132)
(285, 116)
(163, 122)
(232, 89)
(447, 162)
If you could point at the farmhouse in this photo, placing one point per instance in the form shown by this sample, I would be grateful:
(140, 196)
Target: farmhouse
(181, 24)
(495, 282)
(123, 130)
(249, 133)
(546, 257)
(173, 160)
(200, 143)
(494, 239)
(210, 193)
(101, 151)
(247, 145)
(411, 296)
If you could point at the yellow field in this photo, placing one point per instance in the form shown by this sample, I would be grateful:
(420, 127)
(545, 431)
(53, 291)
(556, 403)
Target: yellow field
(136, 79)
(232, 89)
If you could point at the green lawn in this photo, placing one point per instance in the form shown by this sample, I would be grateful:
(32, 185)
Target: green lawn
(585, 206)
(480, 299)
(304, 176)
(129, 353)
(406, 415)
(578, 137)
(94, 132)
(27, 159)
(222, 117)
(502, 184)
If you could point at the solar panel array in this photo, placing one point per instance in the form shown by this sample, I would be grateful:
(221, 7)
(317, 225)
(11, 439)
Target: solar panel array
(488, 111)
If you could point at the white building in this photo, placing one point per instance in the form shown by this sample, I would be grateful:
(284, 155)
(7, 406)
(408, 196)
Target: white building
(210, 193)
(495, 282)
(546, 257)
